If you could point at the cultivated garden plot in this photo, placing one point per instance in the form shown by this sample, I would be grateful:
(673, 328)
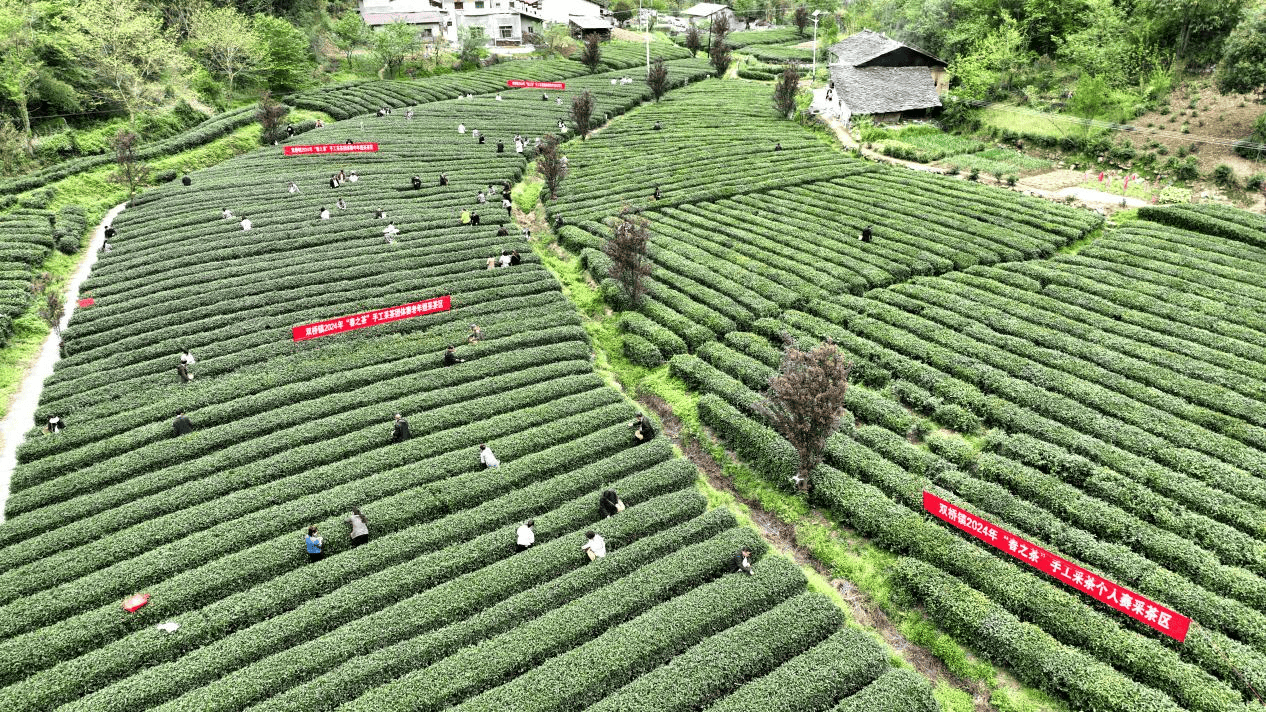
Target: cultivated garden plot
(436, 610)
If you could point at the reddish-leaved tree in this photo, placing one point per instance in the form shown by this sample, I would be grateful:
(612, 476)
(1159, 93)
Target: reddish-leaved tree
(550, 164)
(657, 78)
(805, 401)
(693, 41)
(627, 250)
(785, 90)
(582, 112)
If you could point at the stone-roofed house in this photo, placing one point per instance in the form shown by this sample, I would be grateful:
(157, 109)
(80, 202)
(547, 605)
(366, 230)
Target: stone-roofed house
(878, 76)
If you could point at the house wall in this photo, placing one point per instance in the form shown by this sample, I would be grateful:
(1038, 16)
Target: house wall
(560, 11)
(493, 23)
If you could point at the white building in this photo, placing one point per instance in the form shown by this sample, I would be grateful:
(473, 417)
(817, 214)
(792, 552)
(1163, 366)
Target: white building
(501, 22)
(561, 11)
(704, 13)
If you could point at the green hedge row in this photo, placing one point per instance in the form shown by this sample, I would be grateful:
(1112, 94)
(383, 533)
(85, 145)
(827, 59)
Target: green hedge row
(756, 346)
(1206, 220)
(500, 659)
(754, 442)
(250, 423)
(717, 665)
(668, 343)
(295, 501)
(898, 690)
(382, 609)
(641, 351)
(71, 226)
(233, 585)
(634, 651)
(752, 373)
(1067, 616)
(994, 501)
(1231, 546)
(1038, 658)
(813, 681)
(1019, 418)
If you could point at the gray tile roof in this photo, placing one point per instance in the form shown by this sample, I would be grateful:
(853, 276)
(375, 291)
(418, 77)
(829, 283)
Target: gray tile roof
(858, 49)
(884, 90)
(862, 47)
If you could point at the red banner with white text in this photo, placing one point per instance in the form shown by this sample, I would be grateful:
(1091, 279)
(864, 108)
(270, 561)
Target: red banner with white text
(370, 318)
(328, 148)
(1121, 599)
(525, 84)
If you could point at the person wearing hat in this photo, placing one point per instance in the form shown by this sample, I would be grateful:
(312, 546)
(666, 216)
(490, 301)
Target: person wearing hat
(400, 430)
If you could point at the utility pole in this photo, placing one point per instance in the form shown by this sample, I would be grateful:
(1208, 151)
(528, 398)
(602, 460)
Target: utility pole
(648, 37)
(814, 76)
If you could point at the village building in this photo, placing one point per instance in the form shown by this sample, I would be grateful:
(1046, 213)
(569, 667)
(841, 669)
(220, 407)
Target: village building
(877, 76)
(703, 14)
(582, 27)
(500, 22)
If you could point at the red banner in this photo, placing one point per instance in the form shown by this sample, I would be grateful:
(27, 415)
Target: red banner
(525, 84)
(331, 148)
(370, 318)
(1124, 600)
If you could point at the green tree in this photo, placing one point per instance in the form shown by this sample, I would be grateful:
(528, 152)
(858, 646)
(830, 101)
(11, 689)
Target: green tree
(622, 11)
(131, 171)
(19, 70)
(991, 61)
(396, 41)
(349, 33)
(122, 54)
(227, 45)
(469, 43)
(1184, 24)
(1243, 66)
(288, 61)
(1092, 98)
(1104, 44)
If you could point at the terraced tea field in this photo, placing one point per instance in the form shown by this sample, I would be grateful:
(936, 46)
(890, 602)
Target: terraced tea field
(437, 610)
(1103, 402)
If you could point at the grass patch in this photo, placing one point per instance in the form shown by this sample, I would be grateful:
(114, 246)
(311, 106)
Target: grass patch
(995, 161)
(29, 330)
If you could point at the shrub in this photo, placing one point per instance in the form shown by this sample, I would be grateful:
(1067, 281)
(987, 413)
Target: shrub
(642, 352)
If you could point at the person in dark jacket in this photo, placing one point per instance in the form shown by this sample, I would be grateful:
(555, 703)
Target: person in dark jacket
(55, 424)
(182, 425)
(515, 259)
(643, 431)
(290, 130)
(450, 357)
(400, 431)
(109, 231)
(417, 183)
(186, 181)
(443, 179)
(778, 146)
(866, 234)
(609, 503)
(743, 561)
(656, 195)
(502, 232)
(501, 146)
(474, 218)
(183, 371)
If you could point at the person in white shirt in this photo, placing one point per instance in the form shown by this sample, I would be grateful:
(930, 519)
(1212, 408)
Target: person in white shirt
(246, 224)
(186, 357)
(226, 214)
(498, 97)
(341, 204)
(292, 188)
(482, 198)
(505, 259)
(486, 457)
(595, 547)
(353, 177)
(613, 82)
(461, 128)
(325, 213)
(408, 115)
(390, 232)
(525, 537)
(743, 561)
